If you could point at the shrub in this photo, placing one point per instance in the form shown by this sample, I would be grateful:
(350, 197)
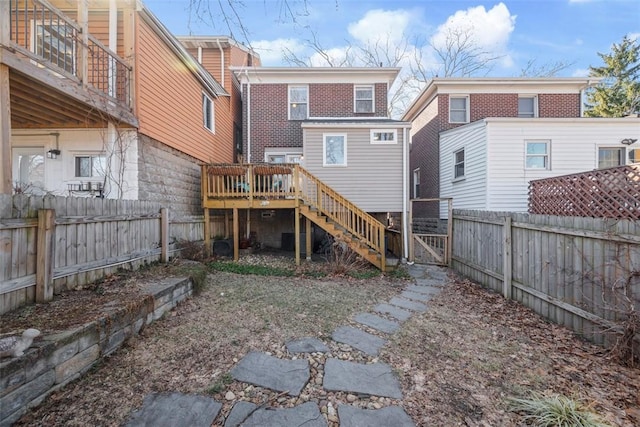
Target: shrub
(556, 410)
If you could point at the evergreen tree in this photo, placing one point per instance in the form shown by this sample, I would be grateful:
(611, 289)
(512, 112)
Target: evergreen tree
(618, 94)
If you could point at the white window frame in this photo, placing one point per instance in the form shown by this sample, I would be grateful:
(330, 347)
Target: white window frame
(91, 156)
(290, 155)
(373, 133)
(467, 108)
(416, 183)
(608, 148)
(208, 113)
(324, 149)
(546, 156)
(372, 99)
(535, 106)
(457, 177)
(289, 103)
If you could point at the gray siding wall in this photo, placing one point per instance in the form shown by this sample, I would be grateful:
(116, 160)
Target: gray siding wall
(372, 178)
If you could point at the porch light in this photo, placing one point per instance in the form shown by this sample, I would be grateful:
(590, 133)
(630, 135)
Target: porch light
(53, 154)
(628, 141)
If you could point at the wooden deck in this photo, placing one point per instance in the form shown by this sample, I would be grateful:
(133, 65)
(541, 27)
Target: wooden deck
(289, 186)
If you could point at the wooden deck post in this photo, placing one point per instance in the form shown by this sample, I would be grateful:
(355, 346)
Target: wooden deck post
(307, 223)
(5, 125)
(207, 233)
(164, 235)
(411, 250)
(236, 235)
(506, 258)
(297, 235)
(449, 231)
(45, 254)
(383, 250)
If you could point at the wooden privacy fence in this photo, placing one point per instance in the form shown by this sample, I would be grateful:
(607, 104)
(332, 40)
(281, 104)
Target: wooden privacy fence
(602, 193)
(577, 272)
(50, 244)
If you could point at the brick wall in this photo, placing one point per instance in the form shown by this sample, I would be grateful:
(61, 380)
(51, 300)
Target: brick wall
(559, 105)
(168, 176)
(270, 126)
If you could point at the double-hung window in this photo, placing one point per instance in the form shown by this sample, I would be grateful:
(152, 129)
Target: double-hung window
(334, 149)
(416, 183)
(458, 109)
(527, 106)
(208, 113)
(298, 102)
(609, 157)
(458, 164)
(363, 97)
(537, 156)
(90, 166)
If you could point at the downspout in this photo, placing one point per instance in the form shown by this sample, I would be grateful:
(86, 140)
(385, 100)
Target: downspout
(200, 54)
(221, 62)
(248, 117)
(405, 220)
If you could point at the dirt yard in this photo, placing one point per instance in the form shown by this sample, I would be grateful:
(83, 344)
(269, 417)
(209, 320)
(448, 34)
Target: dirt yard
(459, 363)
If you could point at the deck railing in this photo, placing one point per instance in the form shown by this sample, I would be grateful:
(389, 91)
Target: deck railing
(291, 181)
(47, 36)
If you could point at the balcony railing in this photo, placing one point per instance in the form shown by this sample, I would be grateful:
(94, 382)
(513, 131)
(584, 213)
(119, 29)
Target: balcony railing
(48, 37)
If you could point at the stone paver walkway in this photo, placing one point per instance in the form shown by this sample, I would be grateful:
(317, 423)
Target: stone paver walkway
(292, 376)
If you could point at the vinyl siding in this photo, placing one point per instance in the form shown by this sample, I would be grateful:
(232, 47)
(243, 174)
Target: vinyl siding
(574, 148)
(169, 102)
(470, 192)
(372, 178)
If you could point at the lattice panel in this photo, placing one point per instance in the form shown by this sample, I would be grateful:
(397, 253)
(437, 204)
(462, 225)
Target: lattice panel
(603, 193)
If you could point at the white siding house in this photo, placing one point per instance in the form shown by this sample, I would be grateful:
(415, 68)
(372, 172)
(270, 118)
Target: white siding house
(501, 156)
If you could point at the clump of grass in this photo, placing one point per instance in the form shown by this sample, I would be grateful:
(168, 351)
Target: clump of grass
(363, 274)
(258, 270)
(555, 410)
(400, 272)
(221, 384)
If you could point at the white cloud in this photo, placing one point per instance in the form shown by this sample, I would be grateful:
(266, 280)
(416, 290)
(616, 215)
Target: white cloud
(489, 29)
(394, 23)
(271, 51)
(634, 36)
(580, 72)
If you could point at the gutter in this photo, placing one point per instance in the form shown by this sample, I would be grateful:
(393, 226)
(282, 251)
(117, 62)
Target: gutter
(405, 172)
(248, 118)
(221, 62)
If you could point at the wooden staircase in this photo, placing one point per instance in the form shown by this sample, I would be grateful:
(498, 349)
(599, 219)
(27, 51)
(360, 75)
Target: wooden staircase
(292, 186)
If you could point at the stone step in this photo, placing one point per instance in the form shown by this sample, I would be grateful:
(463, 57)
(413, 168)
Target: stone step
(174, 409)
(397, 312)
(276, 374)
(376, 322)
(358, 339)
(375, 379)
(250, 415)
(409, 305)
(415, 296)
(306, 345)
(395, 416)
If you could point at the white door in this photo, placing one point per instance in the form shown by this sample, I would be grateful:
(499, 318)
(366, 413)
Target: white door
(28, 170)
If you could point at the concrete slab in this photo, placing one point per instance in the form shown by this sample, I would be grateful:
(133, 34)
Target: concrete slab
(376, 322)
(360, 340)
(375, 379)
(239, 413)
(173, 409)
(306, 345)
(397, 312)
(415, 296)
(307, 415)
(395, 416)
(409, 305)
(276, 374)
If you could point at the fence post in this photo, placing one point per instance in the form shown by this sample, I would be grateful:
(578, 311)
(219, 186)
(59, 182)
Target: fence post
(506, 258)
(164, 234)
(411, 253)
(44, 258)
(207, 232)
(449, 231)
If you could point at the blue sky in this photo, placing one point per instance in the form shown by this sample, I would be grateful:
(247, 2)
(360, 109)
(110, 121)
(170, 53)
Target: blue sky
(516, 31)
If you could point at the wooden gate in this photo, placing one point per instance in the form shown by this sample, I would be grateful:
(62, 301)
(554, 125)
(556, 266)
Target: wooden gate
(431, 248)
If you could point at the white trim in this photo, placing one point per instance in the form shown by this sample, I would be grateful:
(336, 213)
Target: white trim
(372, 132)
(413, 177)
(467, 108)
(625, 155)
(366, 124)
(464, 165)
(324, 150)
(282, 151)
(373, 98)
(289, 87)
(206, 99)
